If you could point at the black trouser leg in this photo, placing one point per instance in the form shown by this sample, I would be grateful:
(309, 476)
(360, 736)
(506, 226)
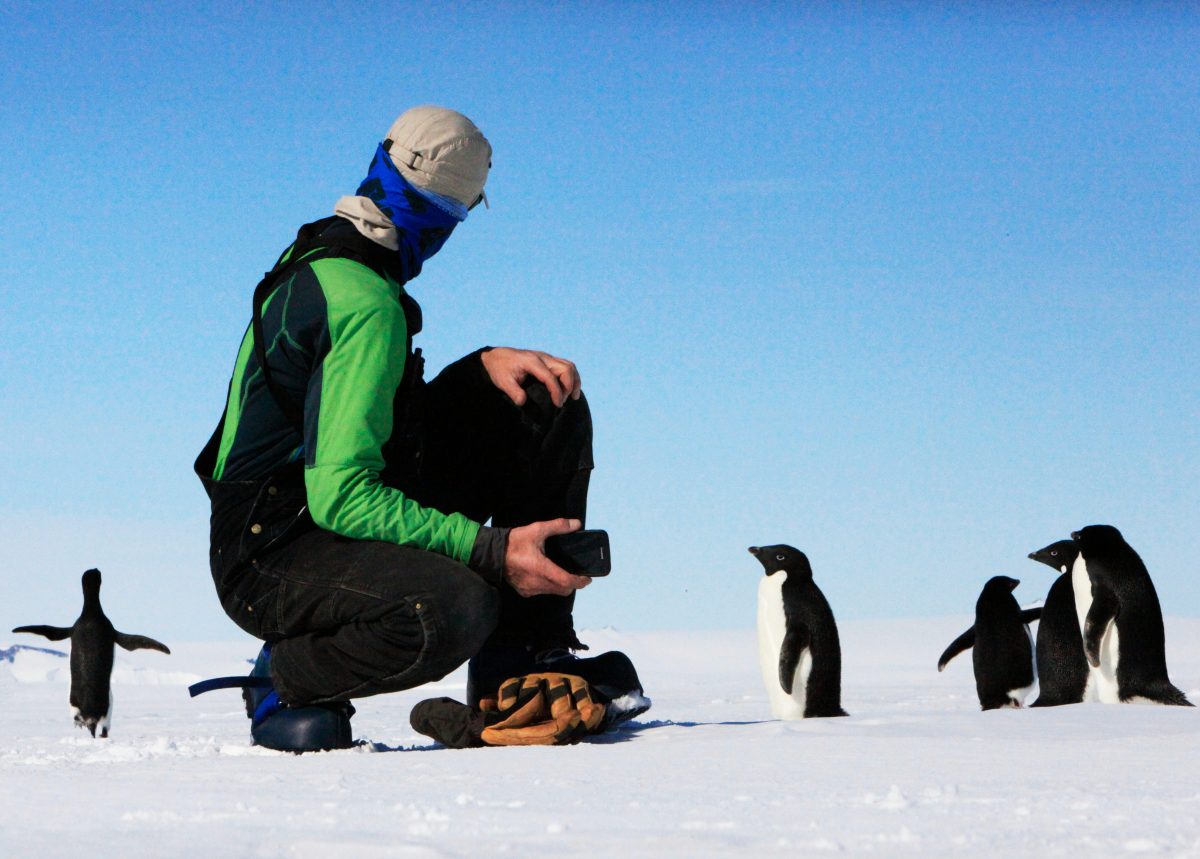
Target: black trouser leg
(351, 618)
(556, 486)
(471, 450)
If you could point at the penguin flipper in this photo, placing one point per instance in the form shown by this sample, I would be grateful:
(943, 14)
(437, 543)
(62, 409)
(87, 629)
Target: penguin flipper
(54, 633)
(964, 642)
(797, 638)
(1103, 612)
(139, 642)
(1029, 615)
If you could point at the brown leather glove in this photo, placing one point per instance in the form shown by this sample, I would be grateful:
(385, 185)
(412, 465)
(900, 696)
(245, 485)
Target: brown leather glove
(547, 709)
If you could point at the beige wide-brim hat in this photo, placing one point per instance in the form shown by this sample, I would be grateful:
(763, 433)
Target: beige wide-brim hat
(442, 151)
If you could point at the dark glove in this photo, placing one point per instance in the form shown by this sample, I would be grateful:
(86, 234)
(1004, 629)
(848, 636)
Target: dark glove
(452, 724)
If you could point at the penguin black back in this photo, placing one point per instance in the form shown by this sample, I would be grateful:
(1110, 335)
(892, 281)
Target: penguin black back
(1003, 653)
(810, 625)
(1003, 657)
(91, 658)
(1061, 666)
(92, 639)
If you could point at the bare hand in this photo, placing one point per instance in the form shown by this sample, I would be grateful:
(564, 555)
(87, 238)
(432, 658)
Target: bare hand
(526, 566)
(508, 368)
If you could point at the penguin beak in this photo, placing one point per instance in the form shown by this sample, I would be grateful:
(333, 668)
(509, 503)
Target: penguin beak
(1075, 536)
(1013, 586)
(1031, 556)
(753, 550)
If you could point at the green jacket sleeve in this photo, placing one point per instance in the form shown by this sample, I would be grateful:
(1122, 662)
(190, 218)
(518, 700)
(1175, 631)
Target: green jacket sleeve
(352, 393)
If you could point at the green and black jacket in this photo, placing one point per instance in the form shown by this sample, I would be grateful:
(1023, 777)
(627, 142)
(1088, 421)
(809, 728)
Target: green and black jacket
(337, 332)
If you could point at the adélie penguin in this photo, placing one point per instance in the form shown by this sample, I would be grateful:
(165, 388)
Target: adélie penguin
(1061, 666)
(92, 639)
(799, 651)
(1121, 619)
(1003, 647)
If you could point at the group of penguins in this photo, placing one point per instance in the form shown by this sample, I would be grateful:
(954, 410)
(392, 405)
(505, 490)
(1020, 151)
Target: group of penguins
(1100, 636)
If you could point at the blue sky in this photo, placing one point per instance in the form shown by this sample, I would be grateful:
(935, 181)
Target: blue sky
(910, 287)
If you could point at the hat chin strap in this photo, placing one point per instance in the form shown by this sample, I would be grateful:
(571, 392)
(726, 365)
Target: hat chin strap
(402, 156)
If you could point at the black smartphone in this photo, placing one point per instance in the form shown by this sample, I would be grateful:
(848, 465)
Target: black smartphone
(583, 553)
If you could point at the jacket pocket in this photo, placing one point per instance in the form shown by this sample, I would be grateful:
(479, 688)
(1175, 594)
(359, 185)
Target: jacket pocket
(278, 516)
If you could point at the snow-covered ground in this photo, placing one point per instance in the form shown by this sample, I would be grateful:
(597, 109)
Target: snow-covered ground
(917, 770)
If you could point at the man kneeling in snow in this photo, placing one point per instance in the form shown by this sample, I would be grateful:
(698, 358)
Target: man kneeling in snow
(349, 495)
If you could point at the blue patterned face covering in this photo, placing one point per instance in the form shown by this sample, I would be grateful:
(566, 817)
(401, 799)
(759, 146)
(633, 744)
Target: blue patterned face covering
(424, 220)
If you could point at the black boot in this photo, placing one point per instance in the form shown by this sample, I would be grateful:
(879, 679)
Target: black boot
(274, 724)
(613, 679)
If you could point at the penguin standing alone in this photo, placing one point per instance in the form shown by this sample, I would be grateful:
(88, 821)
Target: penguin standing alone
(92, 639)
(799, 650)
(1003, 657)
(1121, 619)
(1062, 668)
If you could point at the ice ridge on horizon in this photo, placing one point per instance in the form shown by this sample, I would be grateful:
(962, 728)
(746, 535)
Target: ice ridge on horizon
(9, 654)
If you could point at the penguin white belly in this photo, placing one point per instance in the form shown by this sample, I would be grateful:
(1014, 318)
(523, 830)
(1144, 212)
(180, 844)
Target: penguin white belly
(793, 706)
(1081, 584)
(102, 725)
(1106, 675)
(1019, 695)
(772, 629)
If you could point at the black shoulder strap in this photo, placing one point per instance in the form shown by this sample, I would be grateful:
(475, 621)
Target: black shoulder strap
(301, 247)
(310, 246)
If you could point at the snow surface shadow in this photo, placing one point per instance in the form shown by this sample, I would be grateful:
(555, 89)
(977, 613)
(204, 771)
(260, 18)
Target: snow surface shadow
(623, 734)
(629, 730)
(374, 747)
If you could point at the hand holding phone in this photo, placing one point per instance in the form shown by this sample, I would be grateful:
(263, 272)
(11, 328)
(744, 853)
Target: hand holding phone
(527, 569)
(581, 553)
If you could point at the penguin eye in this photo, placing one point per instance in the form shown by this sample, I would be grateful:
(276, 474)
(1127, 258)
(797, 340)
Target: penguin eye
(779, 557)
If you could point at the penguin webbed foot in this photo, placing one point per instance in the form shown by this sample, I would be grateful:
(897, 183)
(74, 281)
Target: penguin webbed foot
(1005, 703)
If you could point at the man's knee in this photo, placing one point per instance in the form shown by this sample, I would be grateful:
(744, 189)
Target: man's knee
(474, 617)
(462, 624)
(539, 405)
(565, 434)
